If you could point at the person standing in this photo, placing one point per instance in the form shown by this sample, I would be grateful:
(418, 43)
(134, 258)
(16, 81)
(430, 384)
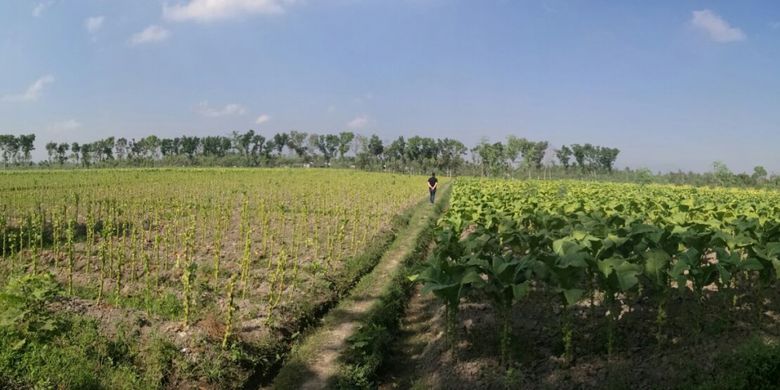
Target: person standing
(433, 183)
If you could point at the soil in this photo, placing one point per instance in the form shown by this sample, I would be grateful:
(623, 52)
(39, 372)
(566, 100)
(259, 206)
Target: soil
(422, 359)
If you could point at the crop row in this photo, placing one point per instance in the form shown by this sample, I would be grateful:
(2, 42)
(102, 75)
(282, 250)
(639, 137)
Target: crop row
(603, 243)
(181, 243)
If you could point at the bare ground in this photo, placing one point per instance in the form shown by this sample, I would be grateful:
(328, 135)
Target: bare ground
(421, 358)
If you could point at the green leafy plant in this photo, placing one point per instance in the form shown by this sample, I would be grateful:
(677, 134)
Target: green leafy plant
(24, 311)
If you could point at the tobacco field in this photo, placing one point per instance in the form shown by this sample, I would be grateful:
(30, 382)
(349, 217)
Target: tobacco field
(586, 285)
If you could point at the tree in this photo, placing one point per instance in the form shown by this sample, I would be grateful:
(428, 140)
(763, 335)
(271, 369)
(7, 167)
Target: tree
(150, 146)
(75, 150)
(564, 155)
(243, 142)
(268, 148)
(256, 148)
(492, 157)
(721, 172)
(607, 157)
(86, 157)
(534, 153)
(189, 146)
(395, 153)
(359, 144)
(280, 141)
(121, 148)
(375, 146)
(10, 146)
(26, 144)
(62, 153)
(167, 147)
(451, 154)
(103, 149)
(328, 145)
(218, 146)
(759, 173)
(515, 147)
(345, 139)
(297, 143)
(51, 149)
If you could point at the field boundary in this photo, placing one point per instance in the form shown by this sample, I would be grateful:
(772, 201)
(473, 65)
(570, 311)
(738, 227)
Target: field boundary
(318, 361)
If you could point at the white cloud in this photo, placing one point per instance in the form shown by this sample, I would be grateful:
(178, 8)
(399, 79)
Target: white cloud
(231, 109)
(33, 91)
(715, 27)
(215, 10)
(262, 119)
(94, 24)
(41, 7)
(358, 122)
(150, 34)
(64, 126)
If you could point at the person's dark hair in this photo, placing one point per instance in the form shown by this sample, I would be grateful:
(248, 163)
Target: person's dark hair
(433, 173)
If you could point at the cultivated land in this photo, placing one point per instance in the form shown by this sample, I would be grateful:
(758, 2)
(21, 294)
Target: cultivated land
(564, 284)
(232, 278)
(200, 277)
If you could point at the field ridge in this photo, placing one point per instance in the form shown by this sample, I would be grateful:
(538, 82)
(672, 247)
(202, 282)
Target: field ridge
(315, 364)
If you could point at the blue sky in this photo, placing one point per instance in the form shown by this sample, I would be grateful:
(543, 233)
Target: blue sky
(673, 84)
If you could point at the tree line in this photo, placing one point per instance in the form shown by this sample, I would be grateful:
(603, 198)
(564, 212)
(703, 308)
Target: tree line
(17, 150)
(413, 154)
(513, 157)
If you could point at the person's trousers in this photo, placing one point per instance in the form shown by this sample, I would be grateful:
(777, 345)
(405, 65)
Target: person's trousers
(433, 195)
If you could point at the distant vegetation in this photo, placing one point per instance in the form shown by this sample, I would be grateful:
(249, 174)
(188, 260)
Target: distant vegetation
(515, 157)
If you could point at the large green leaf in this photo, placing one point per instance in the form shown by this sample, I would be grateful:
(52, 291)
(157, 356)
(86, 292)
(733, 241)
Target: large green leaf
(656, 266)
(627, 275)
(572, 295)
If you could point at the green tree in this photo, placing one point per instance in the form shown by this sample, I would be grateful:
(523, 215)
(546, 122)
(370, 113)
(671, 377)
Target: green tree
(62, 153)
(564, 156)
(375, 146)
(721, 172)
(607, 157)
(759, 173)
(189, 146)
(328, 145)
(280, 141)
(492, 157)
(121, 148)
(26, 144)
(51, 150)
(534, 154)
(297, 143)
(345, 140)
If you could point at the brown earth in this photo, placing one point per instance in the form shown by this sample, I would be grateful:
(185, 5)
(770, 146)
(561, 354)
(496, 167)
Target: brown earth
(422, 360)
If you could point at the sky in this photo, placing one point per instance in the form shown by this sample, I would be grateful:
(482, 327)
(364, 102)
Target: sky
(674, 84)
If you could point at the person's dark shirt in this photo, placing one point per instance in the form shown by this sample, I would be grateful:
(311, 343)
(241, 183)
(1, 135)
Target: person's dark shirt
(432, 181)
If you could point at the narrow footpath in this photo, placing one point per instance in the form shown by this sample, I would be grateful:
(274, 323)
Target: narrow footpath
(314, 364)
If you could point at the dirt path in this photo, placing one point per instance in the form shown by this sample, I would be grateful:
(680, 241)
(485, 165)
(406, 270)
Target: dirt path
(314, 363)
(419, 340)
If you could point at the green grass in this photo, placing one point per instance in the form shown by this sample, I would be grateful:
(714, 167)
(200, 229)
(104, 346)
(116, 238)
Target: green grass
(43, 349)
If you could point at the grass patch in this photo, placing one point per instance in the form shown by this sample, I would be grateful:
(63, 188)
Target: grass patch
(43, 349)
